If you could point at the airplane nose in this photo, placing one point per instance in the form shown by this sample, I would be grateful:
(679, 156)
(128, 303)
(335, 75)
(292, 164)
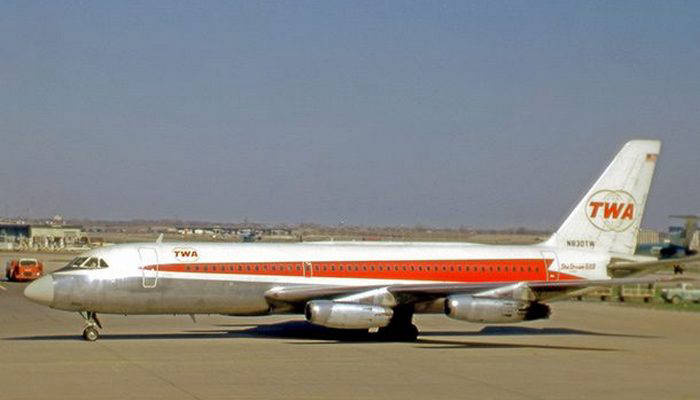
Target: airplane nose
(41, 290)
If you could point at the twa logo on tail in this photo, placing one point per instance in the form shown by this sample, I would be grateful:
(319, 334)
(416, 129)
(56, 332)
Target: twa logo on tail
(611, 210)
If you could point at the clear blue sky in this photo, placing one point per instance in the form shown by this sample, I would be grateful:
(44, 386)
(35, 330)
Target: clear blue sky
(485, 114)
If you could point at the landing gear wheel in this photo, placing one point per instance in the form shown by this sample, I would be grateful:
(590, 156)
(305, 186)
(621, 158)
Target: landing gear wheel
(92, 323)
(400, 328)
(411, 333)
(407, 333)
(90, 334)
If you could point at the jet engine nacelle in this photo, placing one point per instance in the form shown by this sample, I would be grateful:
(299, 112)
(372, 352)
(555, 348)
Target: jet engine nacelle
(474, 309)
(332, 314)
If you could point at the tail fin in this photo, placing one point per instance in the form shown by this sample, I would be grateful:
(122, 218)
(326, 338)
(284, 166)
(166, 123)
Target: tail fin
(609, 215)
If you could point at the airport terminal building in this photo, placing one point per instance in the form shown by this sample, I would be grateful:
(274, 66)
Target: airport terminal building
(41, 237)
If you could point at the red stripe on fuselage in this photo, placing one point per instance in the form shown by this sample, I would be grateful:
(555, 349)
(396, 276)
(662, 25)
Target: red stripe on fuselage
(428, 270)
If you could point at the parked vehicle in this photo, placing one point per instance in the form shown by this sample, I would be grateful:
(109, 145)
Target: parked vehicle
(623, 293)
(644, 292)
(684, 292)
(24, 269)
(603, 293)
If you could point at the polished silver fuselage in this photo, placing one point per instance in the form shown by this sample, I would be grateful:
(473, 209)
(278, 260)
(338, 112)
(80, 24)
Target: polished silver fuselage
(127, 295)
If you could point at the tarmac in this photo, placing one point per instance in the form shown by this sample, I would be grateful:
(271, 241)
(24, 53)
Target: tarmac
(585, 350)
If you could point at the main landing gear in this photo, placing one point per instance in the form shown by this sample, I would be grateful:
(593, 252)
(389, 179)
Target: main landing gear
(400, 328)
(92, 323)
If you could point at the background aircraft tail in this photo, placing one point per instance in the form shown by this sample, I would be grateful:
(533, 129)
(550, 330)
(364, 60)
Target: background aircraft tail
(609, 215)
(691, 226)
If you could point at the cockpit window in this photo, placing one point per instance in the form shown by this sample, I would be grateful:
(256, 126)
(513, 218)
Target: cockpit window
(85, 263)
(76, 262)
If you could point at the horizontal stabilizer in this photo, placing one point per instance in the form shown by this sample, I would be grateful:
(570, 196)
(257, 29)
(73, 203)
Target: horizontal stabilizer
(645, 267)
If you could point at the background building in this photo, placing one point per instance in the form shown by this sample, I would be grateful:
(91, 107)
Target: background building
(42, 237)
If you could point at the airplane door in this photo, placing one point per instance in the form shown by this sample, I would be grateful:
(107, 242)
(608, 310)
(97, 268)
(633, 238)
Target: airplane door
(149, 267)
(308, 271)
(553, 269)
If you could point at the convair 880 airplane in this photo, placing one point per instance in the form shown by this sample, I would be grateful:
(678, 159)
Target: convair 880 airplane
(376, 286)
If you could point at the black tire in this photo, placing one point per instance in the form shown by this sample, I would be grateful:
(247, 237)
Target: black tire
(603, 298)
(90, 334)
(676, 300)
(647, 299)
(398, 334)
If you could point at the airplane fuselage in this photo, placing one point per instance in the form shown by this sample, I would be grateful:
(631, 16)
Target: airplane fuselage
(205, 278)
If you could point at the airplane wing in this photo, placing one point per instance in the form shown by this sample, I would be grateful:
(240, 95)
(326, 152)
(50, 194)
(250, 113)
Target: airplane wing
(413, 293)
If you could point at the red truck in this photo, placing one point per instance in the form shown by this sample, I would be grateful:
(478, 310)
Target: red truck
(24, 269)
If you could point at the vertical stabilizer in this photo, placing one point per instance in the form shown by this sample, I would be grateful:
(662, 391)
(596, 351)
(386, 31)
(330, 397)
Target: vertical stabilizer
(609, 215)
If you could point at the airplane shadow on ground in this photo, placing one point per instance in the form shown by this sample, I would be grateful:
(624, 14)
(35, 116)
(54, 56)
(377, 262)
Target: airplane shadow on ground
(304, 333)
(523, 330)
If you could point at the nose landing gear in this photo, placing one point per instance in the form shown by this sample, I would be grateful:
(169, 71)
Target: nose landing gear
(92, 323)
